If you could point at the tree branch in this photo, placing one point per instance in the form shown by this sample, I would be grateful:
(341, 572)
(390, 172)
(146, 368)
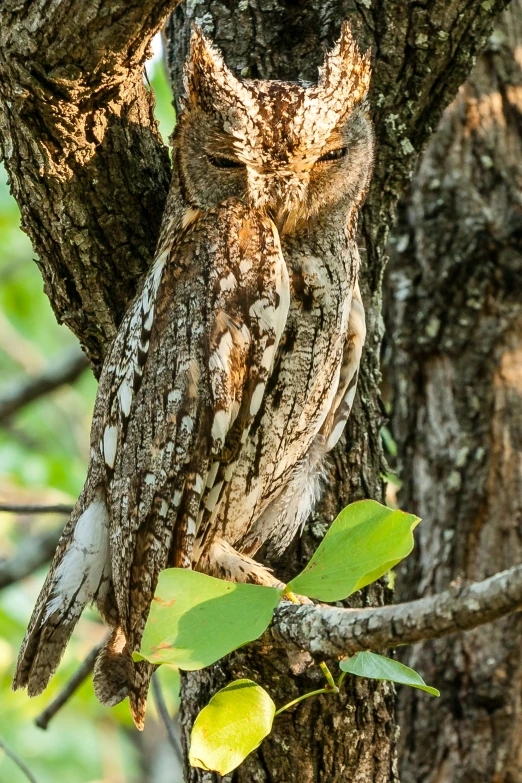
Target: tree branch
(20, 763)
(165, 717)
(33, 553)
(72, 685)
(333, 631)
(63, 32)
(64, 371)
(82, 150)
(23, 508)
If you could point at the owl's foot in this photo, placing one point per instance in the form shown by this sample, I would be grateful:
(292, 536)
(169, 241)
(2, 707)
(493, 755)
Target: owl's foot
(225, 562)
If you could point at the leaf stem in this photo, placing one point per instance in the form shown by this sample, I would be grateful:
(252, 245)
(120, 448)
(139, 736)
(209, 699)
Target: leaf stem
(329, 677)
(330, 687)
(302, 698)
(291, 597)
(341, 678)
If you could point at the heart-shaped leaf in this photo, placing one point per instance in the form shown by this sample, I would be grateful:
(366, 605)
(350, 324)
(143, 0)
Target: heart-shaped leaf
(377, 667)
(365, 541)
(195, 619)
(232, 725)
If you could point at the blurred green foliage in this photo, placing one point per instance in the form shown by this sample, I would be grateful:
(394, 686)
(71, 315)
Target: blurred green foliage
(43, 458)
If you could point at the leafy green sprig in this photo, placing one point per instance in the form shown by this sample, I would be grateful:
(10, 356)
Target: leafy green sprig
(195, 620)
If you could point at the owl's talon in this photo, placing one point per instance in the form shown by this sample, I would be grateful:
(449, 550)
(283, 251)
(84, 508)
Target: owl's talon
(225, 562)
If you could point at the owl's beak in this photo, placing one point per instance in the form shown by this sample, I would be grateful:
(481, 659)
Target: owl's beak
(279, 193)
(285, 208)
(280, 218)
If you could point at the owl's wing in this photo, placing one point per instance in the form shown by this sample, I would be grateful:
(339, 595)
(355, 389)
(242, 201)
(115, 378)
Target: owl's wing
(218, 317)
(81, 568)
(184, 377)
(343, 402)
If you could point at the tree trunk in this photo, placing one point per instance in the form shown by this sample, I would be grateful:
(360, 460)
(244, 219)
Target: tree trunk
(351, 737)
(83, 153)
(454, 360)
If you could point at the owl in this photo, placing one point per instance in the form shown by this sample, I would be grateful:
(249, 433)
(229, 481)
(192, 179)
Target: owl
(234, 370)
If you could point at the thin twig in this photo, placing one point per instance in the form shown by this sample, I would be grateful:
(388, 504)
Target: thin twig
(72, 685)
(329, 630)
(25, 438)
(167, 720)
(24, 508)
(65, 371)
(33, 552)
(20, 763)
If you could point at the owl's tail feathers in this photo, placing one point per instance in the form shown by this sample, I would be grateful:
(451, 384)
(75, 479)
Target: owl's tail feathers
(79, 574)
(116, 676)
(143, 671)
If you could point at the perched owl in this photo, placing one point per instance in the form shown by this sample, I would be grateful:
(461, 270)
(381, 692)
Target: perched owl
(234, 370)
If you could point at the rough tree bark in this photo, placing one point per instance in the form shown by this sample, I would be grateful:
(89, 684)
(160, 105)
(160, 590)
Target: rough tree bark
(455, 367)
(85, 160)
(421, 57)
(90, 175)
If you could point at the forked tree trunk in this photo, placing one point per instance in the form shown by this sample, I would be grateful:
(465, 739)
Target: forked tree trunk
(350, 738)
(455, 366)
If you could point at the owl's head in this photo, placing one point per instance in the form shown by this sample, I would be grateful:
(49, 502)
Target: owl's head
(288, 149)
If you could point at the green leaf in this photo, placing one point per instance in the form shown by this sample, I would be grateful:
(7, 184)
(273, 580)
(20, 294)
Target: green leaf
(364, 542)
(377, 667)
(195, 619)
(232, 725)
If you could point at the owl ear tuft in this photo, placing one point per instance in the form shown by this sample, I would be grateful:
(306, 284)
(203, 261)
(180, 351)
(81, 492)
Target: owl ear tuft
(209, 84)
(345, 73)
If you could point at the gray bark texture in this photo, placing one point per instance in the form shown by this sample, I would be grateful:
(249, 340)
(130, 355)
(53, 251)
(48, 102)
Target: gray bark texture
(327, 630)
(454, 370)
(90, 175)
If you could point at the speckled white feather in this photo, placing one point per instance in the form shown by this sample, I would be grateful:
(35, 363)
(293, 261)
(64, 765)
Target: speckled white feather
(85, 564)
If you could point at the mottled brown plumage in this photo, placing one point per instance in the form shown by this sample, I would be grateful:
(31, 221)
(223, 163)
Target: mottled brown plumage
(234, 371)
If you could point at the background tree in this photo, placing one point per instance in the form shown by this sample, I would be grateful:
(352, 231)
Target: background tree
(454, 364)
(90, 173)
